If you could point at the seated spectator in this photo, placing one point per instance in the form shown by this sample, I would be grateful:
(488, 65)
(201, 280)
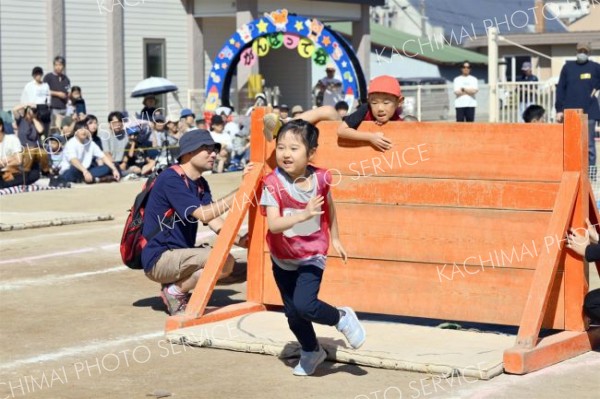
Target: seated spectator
(29, 128)
(136, 161)
(219, 137)
(34, 159)
(284, 111)
(200, 123)
(116, 143)
(149, 108)
(297, 110)
(342, 108)
(188, 119)
(54, 147)
(76, 104)
(66, 127)
(92, 124)
(240, 154)
(534, 114)
(162, 139)
(77, 159)
(11, 172)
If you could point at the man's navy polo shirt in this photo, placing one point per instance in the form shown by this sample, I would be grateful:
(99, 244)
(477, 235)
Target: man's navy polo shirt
(170, 191)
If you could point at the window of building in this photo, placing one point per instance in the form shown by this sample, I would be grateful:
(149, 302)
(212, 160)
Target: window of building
(155, 64)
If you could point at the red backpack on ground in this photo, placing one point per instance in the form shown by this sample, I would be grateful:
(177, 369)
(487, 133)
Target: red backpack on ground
(132, 240)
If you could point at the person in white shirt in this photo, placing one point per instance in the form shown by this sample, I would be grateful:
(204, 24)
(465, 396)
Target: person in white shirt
(10, 159)
(78, 154)
(465, 88)
(217, 126)
(38, 92)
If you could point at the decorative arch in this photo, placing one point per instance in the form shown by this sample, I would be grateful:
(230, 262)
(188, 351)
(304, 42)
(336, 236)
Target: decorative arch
(308, 36)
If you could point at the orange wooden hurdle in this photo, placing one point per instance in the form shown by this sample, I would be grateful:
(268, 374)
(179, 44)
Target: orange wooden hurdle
(458, 222)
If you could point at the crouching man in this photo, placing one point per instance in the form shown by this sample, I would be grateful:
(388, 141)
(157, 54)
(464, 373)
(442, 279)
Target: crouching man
(169, 257)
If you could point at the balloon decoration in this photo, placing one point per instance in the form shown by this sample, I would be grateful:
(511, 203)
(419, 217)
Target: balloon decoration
(308, 36)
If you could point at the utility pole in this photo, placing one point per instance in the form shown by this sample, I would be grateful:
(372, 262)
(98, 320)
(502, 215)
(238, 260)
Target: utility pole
(493, 74)
(423, 19)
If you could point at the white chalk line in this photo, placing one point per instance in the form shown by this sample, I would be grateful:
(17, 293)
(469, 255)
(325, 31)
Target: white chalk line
(78, 351)
(106, 247)
(56, 279)
(48, 236)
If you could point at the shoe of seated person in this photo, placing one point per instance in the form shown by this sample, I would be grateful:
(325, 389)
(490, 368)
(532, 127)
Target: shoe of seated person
(175, 304)
(309, 361)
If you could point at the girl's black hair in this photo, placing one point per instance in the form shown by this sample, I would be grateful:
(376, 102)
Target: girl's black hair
(309, 133)
(75, 88)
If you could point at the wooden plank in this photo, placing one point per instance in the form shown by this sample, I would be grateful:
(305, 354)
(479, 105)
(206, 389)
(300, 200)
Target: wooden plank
(212, 315)
(551, 350)
(576, 271)
(256, 225)
(444, 235)
(538, 299)
(414, 289)
(218, 255)
(449, 150)
(444, 192)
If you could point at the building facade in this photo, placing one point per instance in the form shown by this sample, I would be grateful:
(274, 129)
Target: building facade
(111, 45)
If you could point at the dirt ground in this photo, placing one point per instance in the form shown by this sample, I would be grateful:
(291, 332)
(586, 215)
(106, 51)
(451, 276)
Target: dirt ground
(75, 323)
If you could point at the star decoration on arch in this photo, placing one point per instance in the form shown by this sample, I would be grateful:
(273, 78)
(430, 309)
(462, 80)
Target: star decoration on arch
(262, 26)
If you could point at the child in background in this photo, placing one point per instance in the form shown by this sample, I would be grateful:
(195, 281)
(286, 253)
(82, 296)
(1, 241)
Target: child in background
(534, 114)
(136, 161)
(301, 217)
(383, 105)
(54, 147)
(217, 127)
(76, 105)
(587, 246)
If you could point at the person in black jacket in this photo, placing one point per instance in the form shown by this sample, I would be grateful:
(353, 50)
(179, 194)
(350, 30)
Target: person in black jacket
(578, 87)
(588, 247)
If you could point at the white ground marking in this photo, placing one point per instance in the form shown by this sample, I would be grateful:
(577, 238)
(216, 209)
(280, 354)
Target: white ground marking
(48, 236)
(54, 279)
(80, 350)
(105, 247)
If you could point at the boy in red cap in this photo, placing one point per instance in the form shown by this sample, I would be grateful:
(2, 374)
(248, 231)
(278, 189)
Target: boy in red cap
(383, 105)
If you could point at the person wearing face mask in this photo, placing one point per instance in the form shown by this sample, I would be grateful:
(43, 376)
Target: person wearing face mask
(578, 87)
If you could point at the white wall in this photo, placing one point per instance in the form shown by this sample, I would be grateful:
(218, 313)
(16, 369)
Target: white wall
(86, 52)
(156, 19)
(24, 45)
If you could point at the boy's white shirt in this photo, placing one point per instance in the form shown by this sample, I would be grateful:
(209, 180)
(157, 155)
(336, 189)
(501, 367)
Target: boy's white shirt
(83, 152)
(34, 93)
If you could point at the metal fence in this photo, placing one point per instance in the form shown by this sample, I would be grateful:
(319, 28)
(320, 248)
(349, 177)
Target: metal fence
(515, 97)
(239, 99)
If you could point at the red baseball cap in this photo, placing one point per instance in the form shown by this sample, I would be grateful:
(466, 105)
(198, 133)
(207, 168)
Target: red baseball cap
(385, 84)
